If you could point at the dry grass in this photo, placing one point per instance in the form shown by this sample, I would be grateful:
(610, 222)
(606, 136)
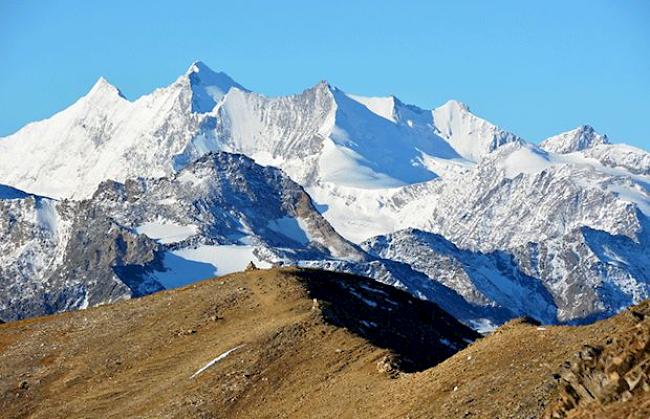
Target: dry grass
(135, 359)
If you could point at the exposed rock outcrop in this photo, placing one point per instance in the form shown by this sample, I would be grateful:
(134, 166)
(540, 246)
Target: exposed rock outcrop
(601, 380)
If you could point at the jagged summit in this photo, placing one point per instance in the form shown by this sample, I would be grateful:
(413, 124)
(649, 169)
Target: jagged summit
(578, 139)
(325, 84)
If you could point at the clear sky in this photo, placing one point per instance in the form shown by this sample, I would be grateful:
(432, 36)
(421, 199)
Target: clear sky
(533, 67)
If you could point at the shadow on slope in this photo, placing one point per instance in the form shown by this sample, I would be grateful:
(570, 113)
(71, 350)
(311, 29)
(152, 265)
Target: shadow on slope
(419, 333)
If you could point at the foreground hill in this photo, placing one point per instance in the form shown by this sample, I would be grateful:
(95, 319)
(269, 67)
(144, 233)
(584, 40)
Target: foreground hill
(306, 343)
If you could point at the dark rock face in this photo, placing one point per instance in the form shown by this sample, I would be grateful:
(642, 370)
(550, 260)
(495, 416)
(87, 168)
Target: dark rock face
(86, 259)
(603, 375)
(404, 277)
(108, 250)
(67, 255)
(227, 196)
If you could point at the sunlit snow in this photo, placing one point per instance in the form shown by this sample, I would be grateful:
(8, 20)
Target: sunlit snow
(192, 264)
(215, 360)
(167, 232)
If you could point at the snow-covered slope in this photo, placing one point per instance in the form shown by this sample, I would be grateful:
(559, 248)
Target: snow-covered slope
(338, 146)
(590, 273)
(484, 279)
(57, 256)
(226, 199)
(622, 157)
(319, 135)
(520, 198)
(211, 218)
(520, 193)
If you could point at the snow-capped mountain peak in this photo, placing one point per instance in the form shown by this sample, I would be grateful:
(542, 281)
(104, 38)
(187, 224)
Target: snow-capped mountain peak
(456, 105)
(208, 86)
(578, 139)
(196, 67)
(472, 137)
(103, 92)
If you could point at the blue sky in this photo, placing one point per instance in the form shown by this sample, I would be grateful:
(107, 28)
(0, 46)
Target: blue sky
(533, 67)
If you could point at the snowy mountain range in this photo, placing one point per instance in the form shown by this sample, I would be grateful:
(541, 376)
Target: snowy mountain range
(439, 202)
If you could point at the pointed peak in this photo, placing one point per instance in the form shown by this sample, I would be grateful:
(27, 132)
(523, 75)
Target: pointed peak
(456, 105)
(208, 86)
(584, 129)
(200, 73)
(198, 67)
(103, 87)
(577, 139)
(101, 81)
(325, 85)
(588, 130)
(590, 133)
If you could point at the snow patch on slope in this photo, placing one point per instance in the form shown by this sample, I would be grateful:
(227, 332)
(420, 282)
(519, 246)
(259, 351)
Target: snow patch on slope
(193, 264)
(525, 160)
(165, 232)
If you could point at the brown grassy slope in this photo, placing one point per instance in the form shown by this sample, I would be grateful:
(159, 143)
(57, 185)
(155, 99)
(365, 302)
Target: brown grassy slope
(135, 358)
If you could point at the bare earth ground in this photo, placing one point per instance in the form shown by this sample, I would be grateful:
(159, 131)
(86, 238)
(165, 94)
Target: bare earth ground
(136, 359)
